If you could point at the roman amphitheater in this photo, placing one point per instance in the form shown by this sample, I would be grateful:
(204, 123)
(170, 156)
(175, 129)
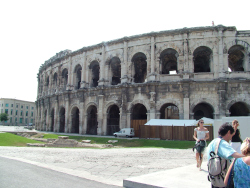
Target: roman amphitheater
(185, 73)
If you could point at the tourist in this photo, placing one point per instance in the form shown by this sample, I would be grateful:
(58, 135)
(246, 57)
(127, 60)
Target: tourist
(201, 134)
(226, 132)
(241, 168)
(236, 140)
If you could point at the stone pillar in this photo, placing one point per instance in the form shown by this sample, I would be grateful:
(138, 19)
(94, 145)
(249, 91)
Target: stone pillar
(128, 120)
(104, 127)
(102, 71)
(222, 86)
(221, 66)
(185, 53)
(81, 118)
(124, 76)
(70, 76)
(84, 70)
(152, 75)
(152, 106)
(66, 129)
(100, 115)
(186, 108)
(85, 123)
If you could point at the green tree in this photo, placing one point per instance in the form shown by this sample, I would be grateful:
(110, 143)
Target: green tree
(3, 117)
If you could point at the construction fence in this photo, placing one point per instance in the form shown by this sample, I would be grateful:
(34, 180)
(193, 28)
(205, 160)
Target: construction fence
(166, 132)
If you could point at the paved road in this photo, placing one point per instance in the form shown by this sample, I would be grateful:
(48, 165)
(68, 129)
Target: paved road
(23, 175)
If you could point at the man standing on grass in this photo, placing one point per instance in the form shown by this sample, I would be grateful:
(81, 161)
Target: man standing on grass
(226, 132)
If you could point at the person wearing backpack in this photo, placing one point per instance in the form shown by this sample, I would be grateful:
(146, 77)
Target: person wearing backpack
(219, 154)
(238, 173)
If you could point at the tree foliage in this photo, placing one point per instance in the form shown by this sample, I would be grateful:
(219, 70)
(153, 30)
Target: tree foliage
(3, 117)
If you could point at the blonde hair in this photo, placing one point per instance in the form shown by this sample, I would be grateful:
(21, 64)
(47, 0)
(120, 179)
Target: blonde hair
(245, 146)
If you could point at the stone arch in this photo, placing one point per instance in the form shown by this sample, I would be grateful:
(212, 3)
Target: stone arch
(113, 119)
(95, 73)
(55, 79)
(202, 59)
(131, 105)
(75, 120)
(238, 108)
(115, 70)
(139, 112)
(92, 123)
(64, 77)
(62, 119)
(238, 42)
(139, 67)
(169, 61)
(202, 109)
(237, 58)
(169, 111)
(78, 76)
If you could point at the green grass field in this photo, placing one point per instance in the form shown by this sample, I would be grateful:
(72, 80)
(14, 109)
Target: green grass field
(8, 139)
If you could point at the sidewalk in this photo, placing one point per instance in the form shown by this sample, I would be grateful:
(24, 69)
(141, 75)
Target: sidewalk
(127, 167)
(182, 177)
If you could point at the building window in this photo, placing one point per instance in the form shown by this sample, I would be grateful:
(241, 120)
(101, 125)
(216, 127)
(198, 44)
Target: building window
(10, 119)
(31, 114)
(32, 108)
(16, 112)
(6, 111)
(27, 113)
(11, 105)
(6, 105)
(21, 106)
(26, 120)
(31, 120)
(21, 120)
(17, 106)
(16, 120)
(21, 113)
(11, 112)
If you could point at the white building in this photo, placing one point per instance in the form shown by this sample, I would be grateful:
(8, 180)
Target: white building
(19, 112)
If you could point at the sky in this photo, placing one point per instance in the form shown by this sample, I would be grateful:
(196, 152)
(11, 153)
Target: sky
(32, 32)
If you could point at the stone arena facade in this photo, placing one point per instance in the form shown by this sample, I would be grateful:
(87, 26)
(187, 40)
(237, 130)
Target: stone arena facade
(185, 73)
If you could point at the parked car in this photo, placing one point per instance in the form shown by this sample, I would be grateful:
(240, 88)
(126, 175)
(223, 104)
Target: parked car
(128, 132)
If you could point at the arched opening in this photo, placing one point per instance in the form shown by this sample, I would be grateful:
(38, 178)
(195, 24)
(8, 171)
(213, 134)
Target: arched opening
(55, 79)
(203, 110)
(168, 60)
(62, 120)
(202, 59)
(169, 111)
(239, 109)
(140, 67)
(139, 112)
(92, 120)
(236, 58)
(115, 65)
(113, 120)
(52, 118)
(65, 78)
(78, 73)
(75, 120)
(47, 81)
(95, 70)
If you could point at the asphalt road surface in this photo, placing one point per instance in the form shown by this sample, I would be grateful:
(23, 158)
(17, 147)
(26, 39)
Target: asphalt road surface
(16, 174)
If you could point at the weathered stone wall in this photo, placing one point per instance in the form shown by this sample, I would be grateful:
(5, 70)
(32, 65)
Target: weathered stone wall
(101, 88)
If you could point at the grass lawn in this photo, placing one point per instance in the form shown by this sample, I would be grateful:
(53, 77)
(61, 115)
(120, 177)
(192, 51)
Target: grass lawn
(8, 139)
(133, 142)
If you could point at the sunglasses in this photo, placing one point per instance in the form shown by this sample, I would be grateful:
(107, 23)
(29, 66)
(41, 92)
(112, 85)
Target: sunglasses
(201, 122)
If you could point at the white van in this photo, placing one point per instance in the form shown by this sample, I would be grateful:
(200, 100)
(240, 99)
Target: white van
(128, 132)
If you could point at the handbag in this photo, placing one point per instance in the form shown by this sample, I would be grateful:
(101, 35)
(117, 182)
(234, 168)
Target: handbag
(230, 182)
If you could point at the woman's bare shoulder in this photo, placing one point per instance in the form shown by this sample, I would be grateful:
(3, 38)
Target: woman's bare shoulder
(246, 160)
